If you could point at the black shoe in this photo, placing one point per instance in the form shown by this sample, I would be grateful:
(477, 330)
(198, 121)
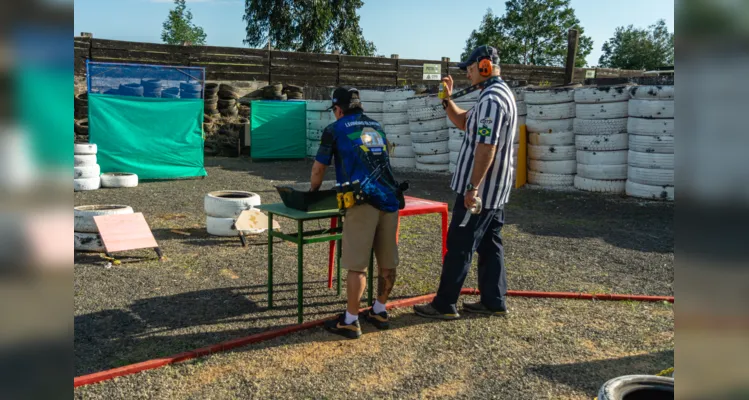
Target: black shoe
(479, 308)
(380, 321)
(340, 327)
(428, 311)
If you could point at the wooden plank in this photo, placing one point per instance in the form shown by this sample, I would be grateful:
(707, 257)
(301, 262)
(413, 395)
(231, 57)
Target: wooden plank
(138, 56)
(235, 69)
(217, 50)
(368, 60)
(135, 46)
(227, 59)
(378, 74)
(366, 81)
(297, 71)
(241, 76)
(415, 62)
(304, 80)
(368, 67)
(288, 55)
(304, 66)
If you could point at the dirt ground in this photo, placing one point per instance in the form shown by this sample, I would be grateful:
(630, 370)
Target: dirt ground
(212, 290)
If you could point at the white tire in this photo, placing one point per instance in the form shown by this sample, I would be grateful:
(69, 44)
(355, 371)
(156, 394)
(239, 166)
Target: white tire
(82, 149)
(602, 171)
(318, 125)
(84, 241)
(550, 96)
(451, 168)
(371, 96)
(402, 163)
(650, 92)
(318, 105)
(654, 127)
(417, 102)
(568, 167)
(550, 180)
(119, 180)
(402, 152)
(443, 158)
(372, 107)
(398, 140)
(320, 116)
(651, 160)
(86, 171)
(635, 189)
(83, 216)
(454, 157)
(617, 141)
(601, 94)
(432, 167)
(551, 111)
(519, 93)
(83, 184)
(618, 157)
(599, 126)
(549, 126)
(551, 153)
(218, 226)
(653, 177)
(377, 116)
(429, 137)
(658, 109)
(600, 186)
(424, 149)
(552, 139)
(427, 126)
(456, 134)
(395, 118)
(229, 203)
(312, 147)
(396, 106)
(652, 144)
(400, 129)
(454, 144)
(86, 160)
(522, 108)
(425, 114)
(397, 95)
(314, 134)
(601, 110)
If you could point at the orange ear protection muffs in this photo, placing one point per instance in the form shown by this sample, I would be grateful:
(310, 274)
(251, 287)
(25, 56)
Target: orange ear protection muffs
(485, 67)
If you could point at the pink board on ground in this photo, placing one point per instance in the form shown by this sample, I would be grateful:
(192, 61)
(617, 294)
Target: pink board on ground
(122, 232)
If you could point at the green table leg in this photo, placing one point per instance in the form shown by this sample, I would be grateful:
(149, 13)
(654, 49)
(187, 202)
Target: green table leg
(338, 261)
(300, 273)
(270, 260)
(370, 277)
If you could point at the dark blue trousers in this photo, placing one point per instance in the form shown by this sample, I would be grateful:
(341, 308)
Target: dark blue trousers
(481, 234)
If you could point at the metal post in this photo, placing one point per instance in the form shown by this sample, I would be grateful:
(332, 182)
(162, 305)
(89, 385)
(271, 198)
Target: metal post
(300, 271)
(270, 260)
(572, 42)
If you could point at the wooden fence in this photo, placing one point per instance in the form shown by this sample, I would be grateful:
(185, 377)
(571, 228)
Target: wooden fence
(307, 69)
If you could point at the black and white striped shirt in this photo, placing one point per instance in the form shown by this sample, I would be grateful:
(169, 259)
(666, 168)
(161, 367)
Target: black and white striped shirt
(492, 120)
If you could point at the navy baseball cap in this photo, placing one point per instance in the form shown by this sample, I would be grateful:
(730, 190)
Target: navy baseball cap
(346, 97)
(480, 52)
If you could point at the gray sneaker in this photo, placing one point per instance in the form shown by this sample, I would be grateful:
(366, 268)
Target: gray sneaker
(479, 308)
(427, 311)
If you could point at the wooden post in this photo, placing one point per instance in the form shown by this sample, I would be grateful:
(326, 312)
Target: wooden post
(270, 65)
(397, 64)
(446, 66)
(338, 75)
(572, 41)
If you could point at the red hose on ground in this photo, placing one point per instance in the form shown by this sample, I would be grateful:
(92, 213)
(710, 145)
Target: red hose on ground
(259, 337)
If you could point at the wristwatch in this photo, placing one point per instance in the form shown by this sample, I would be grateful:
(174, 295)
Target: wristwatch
(470, 187)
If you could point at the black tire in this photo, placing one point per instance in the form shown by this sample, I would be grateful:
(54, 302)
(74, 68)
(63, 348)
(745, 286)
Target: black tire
(152, 85)
(81, 113)
(169, 95)
(637, 387)
(207, 118)
(211, 99)
(227, 94)
(210, 106)
(81, 127)
(155, 93)
(293, 89)
(131, 89)
(211, 89)
(190, 95)
(210, 148)
(282, 97)
(277, 86)
(224, 103)
(229, 112)
(81, 100)
(295, 95)
(191, 86)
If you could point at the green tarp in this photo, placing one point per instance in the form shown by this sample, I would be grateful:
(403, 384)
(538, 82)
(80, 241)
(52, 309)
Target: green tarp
(278, 129)
(153, 137)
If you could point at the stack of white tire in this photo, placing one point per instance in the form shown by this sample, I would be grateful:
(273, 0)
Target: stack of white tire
(317, 119)
(600, 127)
(522, 110)
(394, 123)
(85, 232)
(651, 142)
(86, 170)
(551, 141)
(222, 209)
(373, 104)
(429, 134)
(456, 134)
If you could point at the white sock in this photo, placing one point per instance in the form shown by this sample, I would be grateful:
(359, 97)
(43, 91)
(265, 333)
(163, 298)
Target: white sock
(351, 318)
(378, 307)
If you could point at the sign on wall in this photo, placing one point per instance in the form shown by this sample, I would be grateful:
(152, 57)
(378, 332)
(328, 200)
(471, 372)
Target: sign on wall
(432, 72)
(590, 74)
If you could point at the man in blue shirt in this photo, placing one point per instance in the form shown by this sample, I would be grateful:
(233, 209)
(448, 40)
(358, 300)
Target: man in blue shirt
(360, 150)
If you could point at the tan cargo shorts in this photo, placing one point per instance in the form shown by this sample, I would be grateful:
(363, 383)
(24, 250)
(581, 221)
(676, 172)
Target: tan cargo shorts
(365, 228)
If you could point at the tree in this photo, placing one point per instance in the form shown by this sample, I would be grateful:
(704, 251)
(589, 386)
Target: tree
(314, 26)
(532, 32)
(179, 29)
(632, 48)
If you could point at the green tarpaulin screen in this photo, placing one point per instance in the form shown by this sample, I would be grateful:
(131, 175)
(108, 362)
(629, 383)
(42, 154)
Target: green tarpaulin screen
(278, 129)
(156, 138)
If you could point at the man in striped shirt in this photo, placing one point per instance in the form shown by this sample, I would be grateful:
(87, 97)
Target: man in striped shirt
(484, 170)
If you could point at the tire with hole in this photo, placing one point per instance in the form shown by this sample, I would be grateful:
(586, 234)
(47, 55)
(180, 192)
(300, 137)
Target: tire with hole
(601, 94)
(651, 160)
(551, 111)
(441, 158)
(602, 110)
(432, 167)
(403, 163)
(551, 153)
(567, 167)
(637, 387)
(653, 127)
(430, 136)
(617, 157)
(652, 144)
(119, 180)
(81, 126)
(600, 186)
(550, 96)
(656, 109)
(86, 171)
(83, 216)
(550, 180)
(549, 126)
(84, 160)
(617, 141)
(83, 149)
(603, 171)
(84, 184)
(218, 226)
(639, 190)
(430, 148)
(83, 241)
(652, 92)
(599, 126)
(552, 139)
(652, 177)
(229, 203)
(401, 129)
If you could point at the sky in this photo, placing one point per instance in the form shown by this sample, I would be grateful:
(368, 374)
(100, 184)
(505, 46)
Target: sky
(420, 29)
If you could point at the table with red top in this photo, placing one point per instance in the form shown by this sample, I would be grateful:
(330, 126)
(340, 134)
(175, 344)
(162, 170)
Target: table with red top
(414, 206)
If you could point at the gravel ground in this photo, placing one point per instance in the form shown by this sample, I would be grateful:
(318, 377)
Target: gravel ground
(211, 290)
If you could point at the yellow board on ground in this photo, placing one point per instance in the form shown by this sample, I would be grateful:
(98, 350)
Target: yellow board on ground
(521, 169)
